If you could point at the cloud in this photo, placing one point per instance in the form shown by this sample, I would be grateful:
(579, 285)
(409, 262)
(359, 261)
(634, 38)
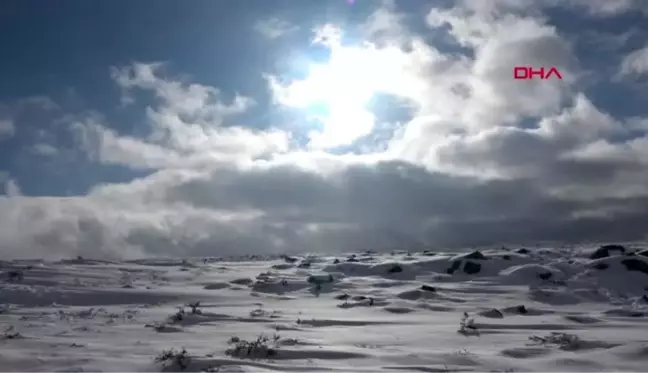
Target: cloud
(45, 150)
(189, 146)
(12, 190)
(485, 159)
(592, 8)
(188, 126)
(24, 114)
(611, 7)
(7, 128)
(635, 63)
(499, 43)
(200, 103)
(274, 28)
(284, 208)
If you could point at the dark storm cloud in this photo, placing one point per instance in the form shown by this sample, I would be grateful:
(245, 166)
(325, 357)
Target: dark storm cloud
(398, 202)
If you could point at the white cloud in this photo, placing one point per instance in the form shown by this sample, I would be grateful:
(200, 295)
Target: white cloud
(200, 103)
(46, 150)
(24, 113)
(329, 35)
(596, 8)
(275, 28)
(12, 189)
(500, 42)
(468, 103)
(7, 128)
(188, 127)
(609, 7)
(635, 63)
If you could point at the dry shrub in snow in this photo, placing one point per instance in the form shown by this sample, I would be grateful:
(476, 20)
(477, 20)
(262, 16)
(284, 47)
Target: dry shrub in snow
(172, 359)
(467, 325)
(262, 348)
(9, 333)
(194, 308)
(564, 341)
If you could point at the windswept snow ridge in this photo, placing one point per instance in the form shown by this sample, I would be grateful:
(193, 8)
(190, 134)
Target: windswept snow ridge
(499, 310)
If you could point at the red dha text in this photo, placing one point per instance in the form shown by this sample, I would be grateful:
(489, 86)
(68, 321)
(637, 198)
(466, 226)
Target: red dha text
(528, 73)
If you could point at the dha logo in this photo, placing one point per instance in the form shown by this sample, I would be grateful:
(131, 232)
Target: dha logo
(528, 73)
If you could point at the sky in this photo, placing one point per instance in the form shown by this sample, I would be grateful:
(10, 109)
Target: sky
(168, 128)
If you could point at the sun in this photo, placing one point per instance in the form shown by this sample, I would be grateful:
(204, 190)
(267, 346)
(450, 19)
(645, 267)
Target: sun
(343, 86)
(346, 80)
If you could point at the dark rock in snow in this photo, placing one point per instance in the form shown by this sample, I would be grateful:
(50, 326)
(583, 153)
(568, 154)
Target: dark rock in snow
(522, 251)
(359, 298)
(454, 267)
(475, 255)
(395, 269)
(635, 265)
(15, 276)
(506, 257)
(605, 251)
(624, 312)
(644, 298)
(352, 260)
(344, 296)
(521, 309)
(601, 266)
(320, 279)
(289, 259)
(545, 276)
(429, 253)
(336, 261)
(304, 265)
(472, 268)
(242, 281)
(428, 288)
(614, 247)
(493, 314)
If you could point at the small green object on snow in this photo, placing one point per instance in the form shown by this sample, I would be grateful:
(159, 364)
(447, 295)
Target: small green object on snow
(320, 279)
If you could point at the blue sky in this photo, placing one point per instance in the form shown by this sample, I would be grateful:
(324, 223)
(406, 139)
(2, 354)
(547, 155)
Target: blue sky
(65, 53)
(123, 108)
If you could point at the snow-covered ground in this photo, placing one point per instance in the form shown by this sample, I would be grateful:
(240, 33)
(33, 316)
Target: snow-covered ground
(500, 310)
